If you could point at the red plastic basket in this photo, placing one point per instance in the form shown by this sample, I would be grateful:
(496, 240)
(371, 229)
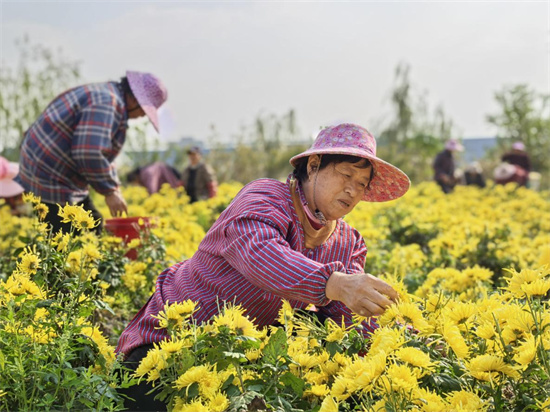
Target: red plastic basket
(128, 228)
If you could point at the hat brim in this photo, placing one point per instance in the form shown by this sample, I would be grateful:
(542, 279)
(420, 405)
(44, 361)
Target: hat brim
(9, 188)
(136, 84)
(389, 182)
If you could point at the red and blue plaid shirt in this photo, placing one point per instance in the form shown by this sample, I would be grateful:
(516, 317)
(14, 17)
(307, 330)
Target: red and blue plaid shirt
(254, 255)
(73, 143)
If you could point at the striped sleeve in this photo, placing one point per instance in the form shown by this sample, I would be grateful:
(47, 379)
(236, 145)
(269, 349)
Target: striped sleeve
(359, 256)
(91, 143)
(256, 247)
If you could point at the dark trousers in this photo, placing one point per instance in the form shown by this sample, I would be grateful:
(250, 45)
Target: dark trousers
(54, 219)
(140, 401)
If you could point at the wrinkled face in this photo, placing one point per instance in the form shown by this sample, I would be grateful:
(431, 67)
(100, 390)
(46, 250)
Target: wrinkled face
(339, 187)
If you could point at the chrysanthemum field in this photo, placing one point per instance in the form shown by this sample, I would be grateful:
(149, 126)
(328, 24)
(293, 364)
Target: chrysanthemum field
(470, 333)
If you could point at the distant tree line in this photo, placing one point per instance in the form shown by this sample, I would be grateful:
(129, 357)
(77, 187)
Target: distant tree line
(409, 138)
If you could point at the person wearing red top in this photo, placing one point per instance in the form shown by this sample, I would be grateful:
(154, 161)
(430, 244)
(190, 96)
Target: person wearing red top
(283, 240)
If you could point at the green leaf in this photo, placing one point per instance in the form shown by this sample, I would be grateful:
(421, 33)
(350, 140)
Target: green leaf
(292, 381)
(234, 355)
(446, 382)
(44, 303)
(276, 347)
(103, 305)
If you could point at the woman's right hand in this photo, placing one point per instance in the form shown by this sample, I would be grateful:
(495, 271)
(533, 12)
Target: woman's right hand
(362, 293)
(116, 203)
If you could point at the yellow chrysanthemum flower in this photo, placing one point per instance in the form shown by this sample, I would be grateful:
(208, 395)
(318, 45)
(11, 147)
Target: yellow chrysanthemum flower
(414, 357)
(41, 210)
(386, 340)
(336, 333)
(29, 263)
(452, 336)
(528, 282)
(329, 404)
(405, 313)
(83, 219)
(320, 391)
(68, 212)
(526, 352)
(490, 368)
(196, 406)
(428, 401)
(154, 360)
(195, 374)
(466, 401)
(234, 319)
(175, 314)
(218, 403)
(398, 378)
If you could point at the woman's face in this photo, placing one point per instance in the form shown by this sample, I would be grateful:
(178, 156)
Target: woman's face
(339, 187)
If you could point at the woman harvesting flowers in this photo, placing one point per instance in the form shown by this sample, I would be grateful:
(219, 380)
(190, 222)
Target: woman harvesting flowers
(285, 241)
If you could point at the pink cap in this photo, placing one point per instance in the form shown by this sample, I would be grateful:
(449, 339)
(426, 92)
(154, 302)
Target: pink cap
(150, 93)
(349, 139)
(8, 170)
(454, 145)
(518, 146)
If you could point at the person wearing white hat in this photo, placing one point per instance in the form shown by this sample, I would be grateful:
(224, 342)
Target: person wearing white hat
(444, 165)
(73, 143)
(11, 191)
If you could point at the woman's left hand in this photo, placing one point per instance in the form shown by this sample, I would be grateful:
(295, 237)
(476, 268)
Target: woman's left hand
(362, 293)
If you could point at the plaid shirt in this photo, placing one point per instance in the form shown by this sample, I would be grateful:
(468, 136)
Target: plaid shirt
(254, 255)
(73, 143)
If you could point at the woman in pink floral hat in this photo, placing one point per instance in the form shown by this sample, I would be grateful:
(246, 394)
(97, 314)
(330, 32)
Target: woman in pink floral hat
(74, 142)
(284, 240)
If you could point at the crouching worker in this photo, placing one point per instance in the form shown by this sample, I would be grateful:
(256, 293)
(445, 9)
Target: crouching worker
(283, 241)
(154, 175)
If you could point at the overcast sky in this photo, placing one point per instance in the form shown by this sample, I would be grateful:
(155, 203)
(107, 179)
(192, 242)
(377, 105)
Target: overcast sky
(225, 62)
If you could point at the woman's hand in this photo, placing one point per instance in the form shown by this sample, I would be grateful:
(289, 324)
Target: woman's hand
(362, 293)
(116, 203)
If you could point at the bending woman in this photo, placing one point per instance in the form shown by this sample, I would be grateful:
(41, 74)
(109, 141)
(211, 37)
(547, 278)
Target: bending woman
(285, 240)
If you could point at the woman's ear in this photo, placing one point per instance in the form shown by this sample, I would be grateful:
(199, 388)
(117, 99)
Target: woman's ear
(312, 164)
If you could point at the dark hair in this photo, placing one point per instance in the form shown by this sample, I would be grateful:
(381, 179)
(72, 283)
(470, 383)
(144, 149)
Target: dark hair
(300, 171)
(133, 175)
(125, 86)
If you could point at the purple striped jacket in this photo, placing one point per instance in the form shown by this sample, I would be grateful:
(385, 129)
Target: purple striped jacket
(254, 255)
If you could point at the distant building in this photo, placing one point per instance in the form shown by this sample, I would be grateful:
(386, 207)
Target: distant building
(476, 148)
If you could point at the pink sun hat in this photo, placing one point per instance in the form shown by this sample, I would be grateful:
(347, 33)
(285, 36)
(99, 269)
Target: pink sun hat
(150, 93)
(8, 170)
(388, 183)
(518, 146)
(454, 145)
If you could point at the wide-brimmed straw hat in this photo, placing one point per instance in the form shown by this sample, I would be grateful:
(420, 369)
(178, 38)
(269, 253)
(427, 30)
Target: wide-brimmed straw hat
(150, 93)
(8, 170)
(388, 182)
